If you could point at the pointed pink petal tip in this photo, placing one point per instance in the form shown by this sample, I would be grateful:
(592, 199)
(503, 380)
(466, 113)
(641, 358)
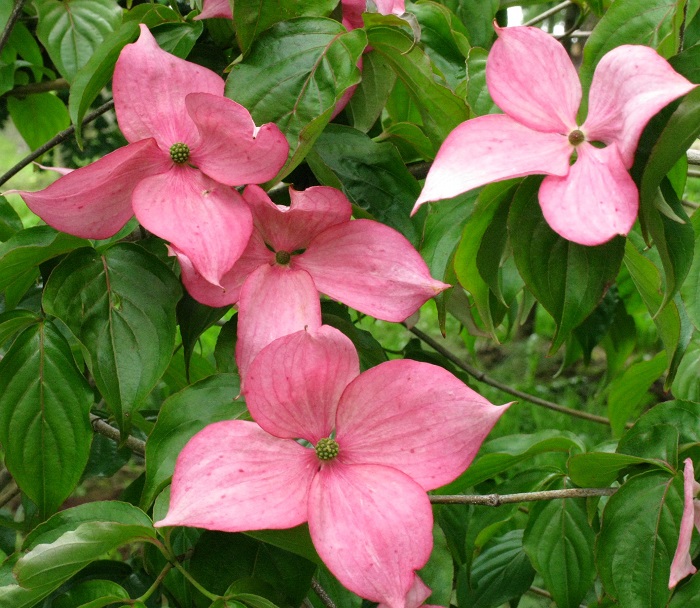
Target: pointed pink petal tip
(682, 564)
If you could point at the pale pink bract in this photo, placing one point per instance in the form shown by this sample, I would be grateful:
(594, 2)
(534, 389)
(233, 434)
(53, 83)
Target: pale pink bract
(309, 247)
(532, 79)
(400, 429)
(161, 102)
(215, 8)
(682, 565)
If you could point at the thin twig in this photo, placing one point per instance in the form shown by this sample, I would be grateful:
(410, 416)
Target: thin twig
(9, 495)
(100, 426)
(62, 136)
(14, 15)
(549, 13)
(496, 500)
(544, 593)
(690, 205)
(38, 87)
(694, 157)
(322, 594)
(482, 377)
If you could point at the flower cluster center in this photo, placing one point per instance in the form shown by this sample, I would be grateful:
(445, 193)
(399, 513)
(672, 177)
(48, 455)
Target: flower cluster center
(327, 448)
(180, 153)
(576, 137)
(283, 257)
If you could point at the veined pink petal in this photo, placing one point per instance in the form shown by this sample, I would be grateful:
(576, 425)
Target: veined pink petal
(215, 8)
(231, 149)
(294, 384)
(371, 268)
(149, 89)
(229, 290)
(630, 84)
(388, 7)
(291, 228)
(531, 78)
(682, 565)
(372, 527)
(492, 148)
(275, 301)
(416, 595)
(94, 201)
(415, 417)
(595, 202)
(352, 13)
(207, 221)
(233, 476)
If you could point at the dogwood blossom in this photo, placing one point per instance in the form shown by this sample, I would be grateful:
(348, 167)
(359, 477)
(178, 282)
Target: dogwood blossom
(532, 79)
(215, 8)
(682, 565)
(309, 247)
(188, 145)
(372, 444)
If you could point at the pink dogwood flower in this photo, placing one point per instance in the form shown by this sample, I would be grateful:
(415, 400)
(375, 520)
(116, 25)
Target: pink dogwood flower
(682, 565)
(215, 8)
(187, 145)
(532, 79)
(373, 444)
(309, 247)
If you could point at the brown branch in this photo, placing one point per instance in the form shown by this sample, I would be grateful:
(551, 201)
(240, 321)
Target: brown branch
(322, 594)
(482, 377)
(62, 136)
(496, 500)
(38, 87)
(100, 426)
(549, 13)
(14, 16)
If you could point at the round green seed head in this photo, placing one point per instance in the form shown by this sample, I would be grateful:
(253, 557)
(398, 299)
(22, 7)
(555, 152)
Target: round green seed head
(576, 137)
(180, 153)
(283, 257)
(327, 448)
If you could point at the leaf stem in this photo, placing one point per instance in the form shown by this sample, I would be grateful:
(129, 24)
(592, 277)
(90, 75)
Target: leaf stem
(322, 594)
(151, 590)
(38, 87)
(496, 500)
(103, 428)
(14, 16)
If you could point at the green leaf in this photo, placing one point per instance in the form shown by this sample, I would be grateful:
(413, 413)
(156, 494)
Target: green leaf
(30, 247)
(690, 290)
(687, 382)
(372, 175)
(178, 38)
(627, 394)
(295, 540)
(194, 319)
(121, 305)
(638, 538)
(10, 222)
(600, 469)
(96, 73)
(252, 17)
(645, 22)
(501, 454)
(370, 96)
(560, 544)
(38, 117)
(620, 340)
(370, 351)
(688, 595)
(298, 90)
(568, 279)
(14, 596)
(409, 139)
(440, 109)
(44, 416)
(91, 594)
(500, 573)
(71, 31)
(478, 96)
(438, 573)
(181, 416)
(477, 16)
(15, 321)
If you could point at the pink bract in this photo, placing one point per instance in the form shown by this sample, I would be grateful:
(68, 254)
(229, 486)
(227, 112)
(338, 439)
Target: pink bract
(215, 8)
(682, 565)
(532, 79)
(187, 145)
(398, 430)
(309, 247)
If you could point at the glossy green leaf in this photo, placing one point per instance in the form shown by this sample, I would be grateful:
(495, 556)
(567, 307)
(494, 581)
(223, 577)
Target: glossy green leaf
(559, 542)
(410, 141)
(298, 90)
(598, 323)
(38, 117)
(30, 247)
(44, 416)
(369, 98)
(438, 573)
(500, 573)
(91, 594)
(638, 538)
(14, 596)
(688, 595)
(620, 340)
(194, 319)
(601, 469)
(626, 396)
(568, 279)
(501, 454)
(15, 321)
(71, 31)
(295, 540)
(121, 305)
(178, 38)
(372, 175)
(225, 350)
(252, 17)
(478, 96)
(440, 109)
(97, 72)
(370, 351)
(687, 383)
(10, 222)
(181, 416)
(690, 290)
(477, 16)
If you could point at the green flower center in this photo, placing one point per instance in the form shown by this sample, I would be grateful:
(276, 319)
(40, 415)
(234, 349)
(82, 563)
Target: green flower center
(327, 448)
(283, 257)
(180, 153)
(576, 137)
